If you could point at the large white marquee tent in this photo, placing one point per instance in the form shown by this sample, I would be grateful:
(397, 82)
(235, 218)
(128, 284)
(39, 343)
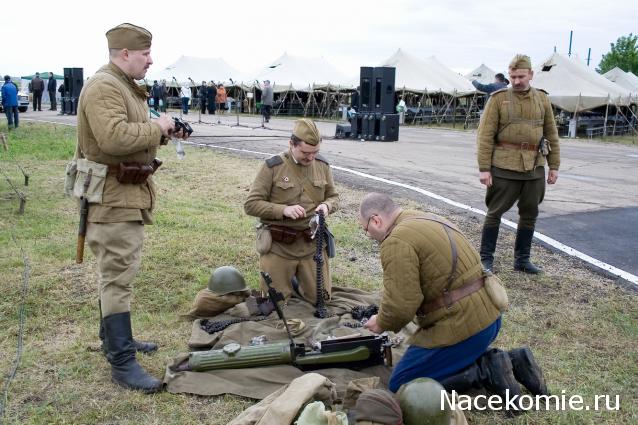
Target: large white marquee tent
(573, 87)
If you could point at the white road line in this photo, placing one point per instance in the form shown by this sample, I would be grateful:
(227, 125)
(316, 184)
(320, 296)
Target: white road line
(549, 241)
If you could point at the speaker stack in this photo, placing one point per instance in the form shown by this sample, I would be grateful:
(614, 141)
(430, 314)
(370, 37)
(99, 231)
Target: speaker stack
(73, 82)
(376, 118)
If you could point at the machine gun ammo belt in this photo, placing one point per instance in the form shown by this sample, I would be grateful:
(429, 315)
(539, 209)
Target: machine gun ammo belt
(213, 326)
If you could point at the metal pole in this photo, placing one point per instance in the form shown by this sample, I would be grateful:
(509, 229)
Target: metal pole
(588, 56)
(571, 33)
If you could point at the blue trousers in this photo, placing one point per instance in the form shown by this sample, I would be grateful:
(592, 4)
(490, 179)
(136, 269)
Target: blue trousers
(185, 104)
(439, 363)
(12, 115)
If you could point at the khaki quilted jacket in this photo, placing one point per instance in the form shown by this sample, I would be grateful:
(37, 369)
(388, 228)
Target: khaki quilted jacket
(417, 261)
(114, 127)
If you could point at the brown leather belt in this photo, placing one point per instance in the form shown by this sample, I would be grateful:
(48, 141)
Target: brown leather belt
(517, 146)
(449, 298)
(287, 235)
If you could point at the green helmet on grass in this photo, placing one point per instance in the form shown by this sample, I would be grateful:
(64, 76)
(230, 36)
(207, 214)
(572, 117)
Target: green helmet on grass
(420, 402)
(226, 279)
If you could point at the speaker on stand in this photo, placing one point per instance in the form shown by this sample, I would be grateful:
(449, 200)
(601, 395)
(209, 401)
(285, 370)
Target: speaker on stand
(73, 83)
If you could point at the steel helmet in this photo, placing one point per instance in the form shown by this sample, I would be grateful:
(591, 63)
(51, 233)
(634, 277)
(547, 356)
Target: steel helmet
(226, 279)
(420, 402)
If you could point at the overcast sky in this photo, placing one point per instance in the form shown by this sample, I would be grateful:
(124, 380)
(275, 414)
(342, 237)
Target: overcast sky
(462, 34)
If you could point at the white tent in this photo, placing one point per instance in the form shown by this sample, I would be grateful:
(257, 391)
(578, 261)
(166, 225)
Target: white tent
(302, 74)
(198, 69)
(574, 87)
(418, 75)
(484, 74)
(624, 79)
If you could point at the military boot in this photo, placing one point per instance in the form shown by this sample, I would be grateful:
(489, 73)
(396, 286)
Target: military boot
(140, 346)
(522, 249)
(492, 371)
(120, 352)
(527, 371)
(488, 246)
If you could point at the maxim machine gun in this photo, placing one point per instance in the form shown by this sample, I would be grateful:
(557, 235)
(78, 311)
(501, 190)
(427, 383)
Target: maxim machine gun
(351, 353)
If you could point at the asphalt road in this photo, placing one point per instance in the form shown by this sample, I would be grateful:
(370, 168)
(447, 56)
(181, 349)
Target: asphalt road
(592, 208)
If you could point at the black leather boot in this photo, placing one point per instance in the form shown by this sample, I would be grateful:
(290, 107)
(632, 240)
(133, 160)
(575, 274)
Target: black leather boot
(522, 250)
(492, 371)
(120, 352)
(140, 346)
(527, 371)
(488, 246)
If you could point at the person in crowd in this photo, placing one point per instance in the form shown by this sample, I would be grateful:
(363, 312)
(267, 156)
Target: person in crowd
(10, 102)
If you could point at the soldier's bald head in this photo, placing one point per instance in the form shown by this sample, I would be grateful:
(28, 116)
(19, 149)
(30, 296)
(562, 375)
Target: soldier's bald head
(377, 203)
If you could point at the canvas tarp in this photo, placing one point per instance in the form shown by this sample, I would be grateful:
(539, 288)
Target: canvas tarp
(419, 75)
(484, 74)
(302, 74)
(624, 79)
(259, 382)
(574, 87)
(196, 68)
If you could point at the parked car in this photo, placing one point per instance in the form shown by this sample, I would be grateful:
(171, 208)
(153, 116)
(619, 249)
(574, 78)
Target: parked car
(23, 100)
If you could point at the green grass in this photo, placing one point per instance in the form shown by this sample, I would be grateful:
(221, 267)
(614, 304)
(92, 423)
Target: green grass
(583, 328)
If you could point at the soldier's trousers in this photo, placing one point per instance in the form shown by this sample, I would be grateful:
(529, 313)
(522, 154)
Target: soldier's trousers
(281, 270)
(118, 250)
(502, 195)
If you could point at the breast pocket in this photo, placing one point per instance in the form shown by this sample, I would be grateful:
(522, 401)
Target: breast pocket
(285, 193)
(320, 187)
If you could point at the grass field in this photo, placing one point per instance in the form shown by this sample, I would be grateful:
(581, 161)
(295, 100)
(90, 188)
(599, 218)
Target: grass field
(583, 327)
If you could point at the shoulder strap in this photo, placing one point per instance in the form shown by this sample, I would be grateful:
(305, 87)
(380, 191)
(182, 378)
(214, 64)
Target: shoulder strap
(322, 159)
(273, 161)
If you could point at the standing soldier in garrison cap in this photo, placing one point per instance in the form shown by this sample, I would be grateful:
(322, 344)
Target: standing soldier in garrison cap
(288, 189)
(114, 128)
(516, 138)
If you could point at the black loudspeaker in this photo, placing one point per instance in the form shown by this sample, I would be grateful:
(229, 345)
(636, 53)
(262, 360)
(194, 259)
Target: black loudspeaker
(73, 81)
(384, 77)
(356, 124)
(366, 86)
(389, 128)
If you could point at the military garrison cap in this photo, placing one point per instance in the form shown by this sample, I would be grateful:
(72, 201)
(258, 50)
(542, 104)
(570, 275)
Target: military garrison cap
(129, 36)
(521, 62)
(306, 131)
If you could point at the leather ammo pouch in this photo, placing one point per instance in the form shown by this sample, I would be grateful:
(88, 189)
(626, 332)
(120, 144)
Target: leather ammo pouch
(283, 234)
(134, 172)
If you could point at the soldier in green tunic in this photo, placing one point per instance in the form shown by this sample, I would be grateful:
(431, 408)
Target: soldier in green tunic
(517, 137)
(288, 190)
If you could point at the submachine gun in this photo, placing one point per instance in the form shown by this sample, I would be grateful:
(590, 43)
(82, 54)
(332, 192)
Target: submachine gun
(351, 353)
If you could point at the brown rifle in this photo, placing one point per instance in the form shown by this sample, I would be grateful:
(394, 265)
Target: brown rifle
(84, 215)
